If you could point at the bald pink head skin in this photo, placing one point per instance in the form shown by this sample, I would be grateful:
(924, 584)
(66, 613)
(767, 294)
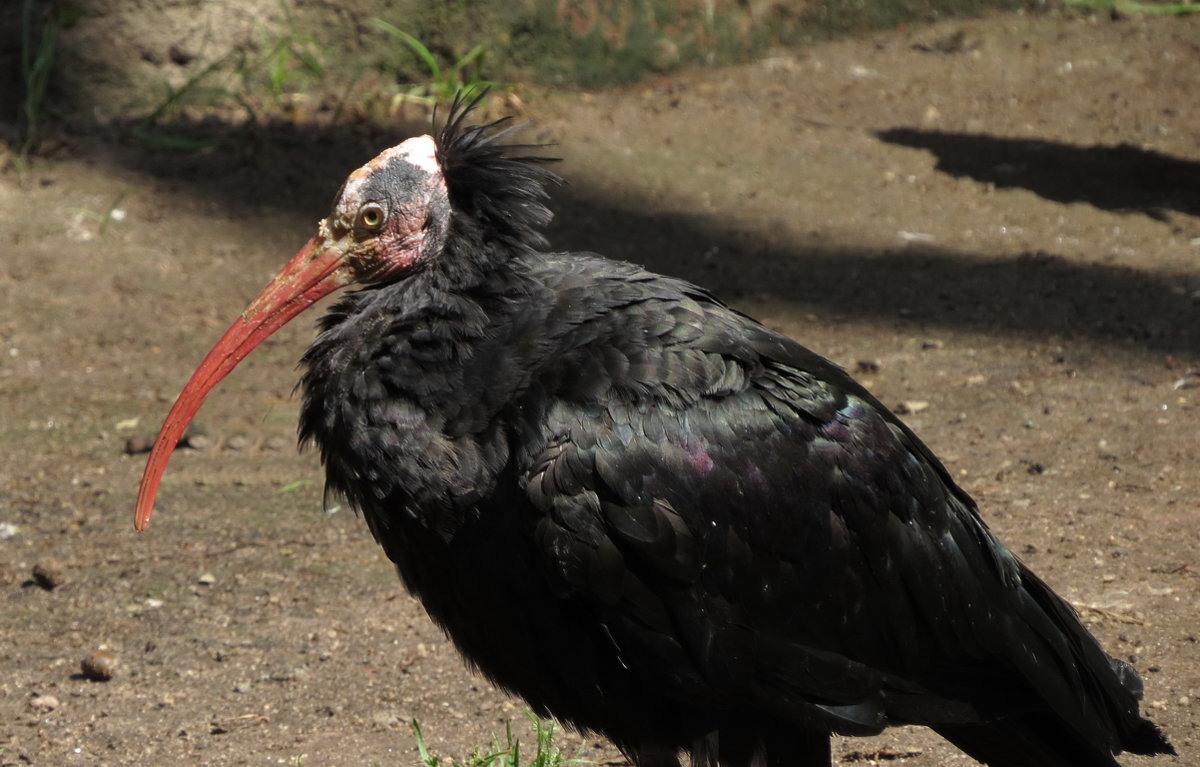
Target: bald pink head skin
(391, 214)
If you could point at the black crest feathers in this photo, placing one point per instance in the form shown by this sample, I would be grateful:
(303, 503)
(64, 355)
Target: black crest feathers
(492, 183)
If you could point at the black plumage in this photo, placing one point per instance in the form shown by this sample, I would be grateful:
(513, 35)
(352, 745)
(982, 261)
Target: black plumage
(653, 517)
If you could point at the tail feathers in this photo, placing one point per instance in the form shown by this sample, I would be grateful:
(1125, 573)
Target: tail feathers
(1090, 711)
(1092, 699)
(1137, 735)
(1144, 737)
(1025, 742)
(1036, 740)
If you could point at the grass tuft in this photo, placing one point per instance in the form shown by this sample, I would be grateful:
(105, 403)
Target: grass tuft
(507, 754)
(1132, 6)
(38, 49)
(463, 77)
(254, 78)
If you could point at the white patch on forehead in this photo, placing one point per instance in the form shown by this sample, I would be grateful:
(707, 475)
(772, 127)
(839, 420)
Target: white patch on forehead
(420, 151)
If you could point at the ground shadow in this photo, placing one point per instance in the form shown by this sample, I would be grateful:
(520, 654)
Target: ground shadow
(1031, 293)
(1036, 294)
(1120, 178)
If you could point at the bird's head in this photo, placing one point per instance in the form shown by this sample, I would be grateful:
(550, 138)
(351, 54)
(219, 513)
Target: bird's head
(392, 216)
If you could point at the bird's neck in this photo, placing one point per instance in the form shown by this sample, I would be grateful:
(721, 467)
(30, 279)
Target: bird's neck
(410, 377)
(425, 339)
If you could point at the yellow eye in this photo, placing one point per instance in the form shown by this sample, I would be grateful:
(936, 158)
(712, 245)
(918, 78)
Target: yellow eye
(370, 216)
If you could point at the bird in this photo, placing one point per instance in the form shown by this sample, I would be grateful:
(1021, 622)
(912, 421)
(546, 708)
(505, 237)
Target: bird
(641, 510)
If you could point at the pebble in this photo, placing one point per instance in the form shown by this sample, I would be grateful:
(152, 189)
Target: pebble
(207, 579)
(1189, 381)
(143, 443)
(868, 366)
(238, 442)
(199, 442)
(138, 444)
(99, 666)
(911, 406)
(49, 574)
(385, 720)
(43, 702)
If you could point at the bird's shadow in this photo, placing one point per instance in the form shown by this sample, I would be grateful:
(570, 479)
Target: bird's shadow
(1117, 178)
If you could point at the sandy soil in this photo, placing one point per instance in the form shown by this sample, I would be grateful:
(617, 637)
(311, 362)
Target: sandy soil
(1001, 239)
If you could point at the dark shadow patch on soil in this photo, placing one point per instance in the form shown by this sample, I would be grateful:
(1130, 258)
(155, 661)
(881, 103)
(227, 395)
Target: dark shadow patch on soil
(1117, 178)
(1035, 294)
(275, 165)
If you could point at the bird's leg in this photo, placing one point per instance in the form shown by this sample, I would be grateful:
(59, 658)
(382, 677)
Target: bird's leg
(706, 751)
(653, 756)
(735, 747)
(799, 748)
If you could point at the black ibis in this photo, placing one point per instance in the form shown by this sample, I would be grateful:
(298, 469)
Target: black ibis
(643, 511)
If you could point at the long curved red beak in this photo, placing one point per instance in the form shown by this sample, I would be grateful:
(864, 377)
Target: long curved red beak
(314, 272)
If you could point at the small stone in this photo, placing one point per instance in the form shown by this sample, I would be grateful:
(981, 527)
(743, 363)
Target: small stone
(180, 57)
(238, 442)
(909, 407)
(138, 443)
(100, 665)
(385, 720)
(197, 441)
(868, 366)
(49, 574)
(243, 687)
(1189, 381)
(1021, 387)
(665, 55)
(298, 674)
(207, 579)
(43, 702)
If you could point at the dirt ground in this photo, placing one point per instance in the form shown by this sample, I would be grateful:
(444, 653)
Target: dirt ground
(995, 223)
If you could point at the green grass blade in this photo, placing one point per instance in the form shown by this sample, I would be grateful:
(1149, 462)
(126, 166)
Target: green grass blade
(1132, 6)
(470, 56)
(192, 86)
(413, 43)
(509, 753)
(427, 759)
